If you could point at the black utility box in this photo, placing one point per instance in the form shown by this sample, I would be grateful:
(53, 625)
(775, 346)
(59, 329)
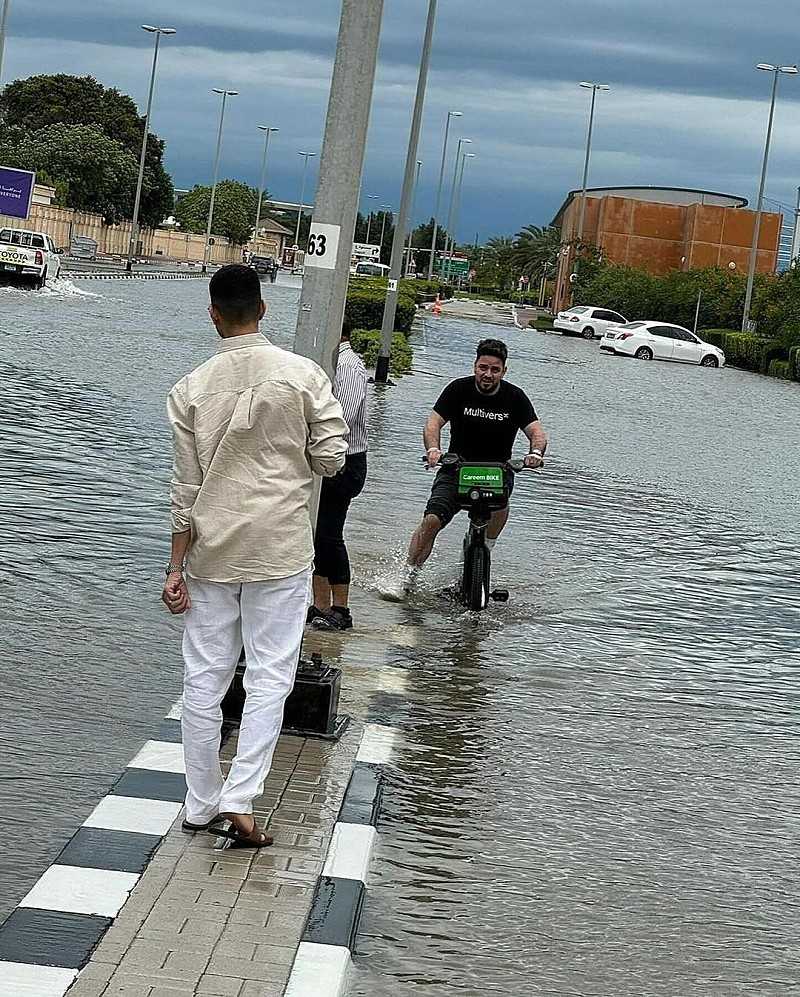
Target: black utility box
(312, 706)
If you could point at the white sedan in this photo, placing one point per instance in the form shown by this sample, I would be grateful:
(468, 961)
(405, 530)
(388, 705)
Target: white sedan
(587, 321)
(659, 341)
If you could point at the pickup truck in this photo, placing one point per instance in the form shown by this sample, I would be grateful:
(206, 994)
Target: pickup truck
(29, 257)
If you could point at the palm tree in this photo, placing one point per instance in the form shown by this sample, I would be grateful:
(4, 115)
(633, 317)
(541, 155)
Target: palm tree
(535, 247)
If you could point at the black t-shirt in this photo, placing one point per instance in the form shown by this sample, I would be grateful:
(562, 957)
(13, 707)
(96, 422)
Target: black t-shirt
(483, 427)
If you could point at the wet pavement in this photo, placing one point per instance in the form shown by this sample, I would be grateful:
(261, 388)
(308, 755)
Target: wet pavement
(597, 790)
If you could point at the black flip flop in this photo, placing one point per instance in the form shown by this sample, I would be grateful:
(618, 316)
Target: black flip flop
(188, 828)
(240, 840)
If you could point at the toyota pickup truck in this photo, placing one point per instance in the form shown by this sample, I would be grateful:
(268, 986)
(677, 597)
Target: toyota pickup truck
(28, 257)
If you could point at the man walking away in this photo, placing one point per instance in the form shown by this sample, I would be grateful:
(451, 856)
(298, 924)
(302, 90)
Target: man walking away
(249, 427)
(331, 610)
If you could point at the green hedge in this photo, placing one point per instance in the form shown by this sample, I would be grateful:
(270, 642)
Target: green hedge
(745, 350)
(780, 368)
(540, 324)
(794, 363)
(365, 301)
(426, 290)
(367, 342)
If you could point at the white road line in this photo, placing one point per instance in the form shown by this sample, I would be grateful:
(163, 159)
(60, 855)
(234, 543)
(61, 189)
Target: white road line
(176, 713)
(21, 980)
(377, 744)
(76, 890)
(350, 851)
(319, 971)
(126, 813)
(160, 756)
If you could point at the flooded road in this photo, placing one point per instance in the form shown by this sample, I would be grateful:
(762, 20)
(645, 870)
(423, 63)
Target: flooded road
(596, 790)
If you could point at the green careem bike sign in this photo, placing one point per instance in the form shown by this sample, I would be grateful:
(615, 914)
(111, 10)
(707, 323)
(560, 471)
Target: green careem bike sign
(487, 478)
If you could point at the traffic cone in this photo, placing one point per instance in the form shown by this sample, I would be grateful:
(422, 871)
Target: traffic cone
(437, 306)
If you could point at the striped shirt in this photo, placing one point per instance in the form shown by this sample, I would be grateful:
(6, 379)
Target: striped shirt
(350, 389)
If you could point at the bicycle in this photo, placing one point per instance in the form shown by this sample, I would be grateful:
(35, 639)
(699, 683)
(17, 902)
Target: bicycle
(482, 488)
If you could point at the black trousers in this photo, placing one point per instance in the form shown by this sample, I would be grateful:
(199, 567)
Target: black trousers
(331, 559)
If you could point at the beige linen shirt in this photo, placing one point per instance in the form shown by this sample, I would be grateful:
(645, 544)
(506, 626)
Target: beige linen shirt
(249, 427)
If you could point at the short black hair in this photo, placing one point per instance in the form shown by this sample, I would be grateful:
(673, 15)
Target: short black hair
(235, 292)
(493, 348)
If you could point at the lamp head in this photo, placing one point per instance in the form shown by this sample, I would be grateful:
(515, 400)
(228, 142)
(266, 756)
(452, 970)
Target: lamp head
(456, 114)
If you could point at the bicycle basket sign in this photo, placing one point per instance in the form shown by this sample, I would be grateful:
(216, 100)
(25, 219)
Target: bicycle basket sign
(487, 478)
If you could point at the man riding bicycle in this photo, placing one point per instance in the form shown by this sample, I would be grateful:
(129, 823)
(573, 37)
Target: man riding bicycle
(485, 413)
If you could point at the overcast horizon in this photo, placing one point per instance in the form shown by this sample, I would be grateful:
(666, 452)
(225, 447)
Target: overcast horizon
(687, 107)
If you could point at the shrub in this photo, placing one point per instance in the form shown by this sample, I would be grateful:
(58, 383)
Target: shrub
(367, 343)
(364, 306)
(426, 290)
(794, 363)
(745, 349)
(780, 368)
(540, 324)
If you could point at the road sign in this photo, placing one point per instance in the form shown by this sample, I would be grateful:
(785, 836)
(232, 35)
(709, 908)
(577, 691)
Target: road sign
(16, 191)
(457, 267)
(323, 246)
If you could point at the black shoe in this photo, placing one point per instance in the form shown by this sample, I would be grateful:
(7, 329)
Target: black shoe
(316, 618)
(341, 618)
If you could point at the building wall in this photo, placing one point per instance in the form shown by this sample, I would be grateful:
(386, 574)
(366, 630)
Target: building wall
(660, 237)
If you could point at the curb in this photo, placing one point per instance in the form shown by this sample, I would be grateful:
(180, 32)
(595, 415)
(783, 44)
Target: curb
(324, 957)
(90, 275)
(50, 936)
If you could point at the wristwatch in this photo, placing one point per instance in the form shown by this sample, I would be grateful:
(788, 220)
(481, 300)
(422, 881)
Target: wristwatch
(172, 569)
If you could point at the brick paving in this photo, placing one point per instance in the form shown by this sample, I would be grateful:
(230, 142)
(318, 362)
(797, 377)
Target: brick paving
(227, 922)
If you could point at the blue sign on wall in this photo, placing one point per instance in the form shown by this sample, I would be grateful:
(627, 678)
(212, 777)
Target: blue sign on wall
(16, 192)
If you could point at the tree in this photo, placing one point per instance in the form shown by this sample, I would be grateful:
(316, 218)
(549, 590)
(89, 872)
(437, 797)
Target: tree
(534, 248)
(95, 172)
(235, 209)
(39, 102)
(495, 263)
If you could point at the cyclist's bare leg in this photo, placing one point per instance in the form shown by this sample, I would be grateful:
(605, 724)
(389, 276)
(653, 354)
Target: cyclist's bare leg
(423, 540)
(497, 523)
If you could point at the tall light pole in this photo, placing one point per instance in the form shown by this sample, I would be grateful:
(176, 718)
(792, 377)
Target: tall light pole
(450, 114)
(370, 197)
(796, 233)
(396, 265)
(461, 143)
(776, 70)
(224, 94)
(411, 216)
(158, 32)
(464, 157)
(3, 23)
(263, 184)
(384, 209)
(306, 156)
(594, 87)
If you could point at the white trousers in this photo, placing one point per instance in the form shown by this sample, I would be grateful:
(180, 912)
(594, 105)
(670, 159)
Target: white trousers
(267, 619)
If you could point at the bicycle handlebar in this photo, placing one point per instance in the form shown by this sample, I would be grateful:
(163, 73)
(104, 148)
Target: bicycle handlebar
(453, 460)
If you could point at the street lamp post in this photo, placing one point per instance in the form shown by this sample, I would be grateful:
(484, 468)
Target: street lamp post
(370, 197)
(158, 32)
(3, 23)
(411, 216)
(263, 185)
(464, 157)
(384, 209)
(224, 94)
(450, 114)
(461, 142)
(776, 70)
(306, 156)
(594, 87)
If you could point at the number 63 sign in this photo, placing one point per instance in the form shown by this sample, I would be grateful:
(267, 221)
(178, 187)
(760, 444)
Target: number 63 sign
(322, 249)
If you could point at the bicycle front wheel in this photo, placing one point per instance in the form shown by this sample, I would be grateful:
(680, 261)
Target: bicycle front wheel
(476, 578)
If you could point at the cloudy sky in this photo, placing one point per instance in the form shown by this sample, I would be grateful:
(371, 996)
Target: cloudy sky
(686, 108)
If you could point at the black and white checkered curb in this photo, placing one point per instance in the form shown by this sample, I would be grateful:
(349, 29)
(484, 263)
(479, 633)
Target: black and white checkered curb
(323, 959)
(91, 275)
(51, 935)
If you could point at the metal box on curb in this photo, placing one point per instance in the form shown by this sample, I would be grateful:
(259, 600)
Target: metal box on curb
(312, 707)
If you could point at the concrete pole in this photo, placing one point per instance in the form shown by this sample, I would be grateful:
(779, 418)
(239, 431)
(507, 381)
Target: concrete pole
(457, 209)
(582, 215)
(306, 156)
(322, 300)
(207, 250)
(751, 269)
(461, 142)
(3, 23)
(450, 114)
(384, 209)
(140, 182)
(390, 308)
(263, 182)
(411, 217)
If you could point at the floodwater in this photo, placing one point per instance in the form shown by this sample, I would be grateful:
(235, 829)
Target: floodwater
(595, 791)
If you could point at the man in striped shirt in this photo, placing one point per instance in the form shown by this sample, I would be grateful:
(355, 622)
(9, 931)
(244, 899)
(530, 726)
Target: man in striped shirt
(330, 610)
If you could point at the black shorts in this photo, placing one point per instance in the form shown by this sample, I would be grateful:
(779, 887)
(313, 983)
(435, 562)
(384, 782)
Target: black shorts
(444, 502)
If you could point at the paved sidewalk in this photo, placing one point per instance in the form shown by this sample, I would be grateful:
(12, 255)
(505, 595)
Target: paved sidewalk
(223, 922)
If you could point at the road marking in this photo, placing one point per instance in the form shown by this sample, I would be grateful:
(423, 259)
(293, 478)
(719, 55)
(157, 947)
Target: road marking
(75, 890)
(377, 744)
(160, 756)
(350, 851)
(126, 813)
(319, 971)
(21, 980)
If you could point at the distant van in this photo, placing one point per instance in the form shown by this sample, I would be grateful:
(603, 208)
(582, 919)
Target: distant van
(365, 269)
